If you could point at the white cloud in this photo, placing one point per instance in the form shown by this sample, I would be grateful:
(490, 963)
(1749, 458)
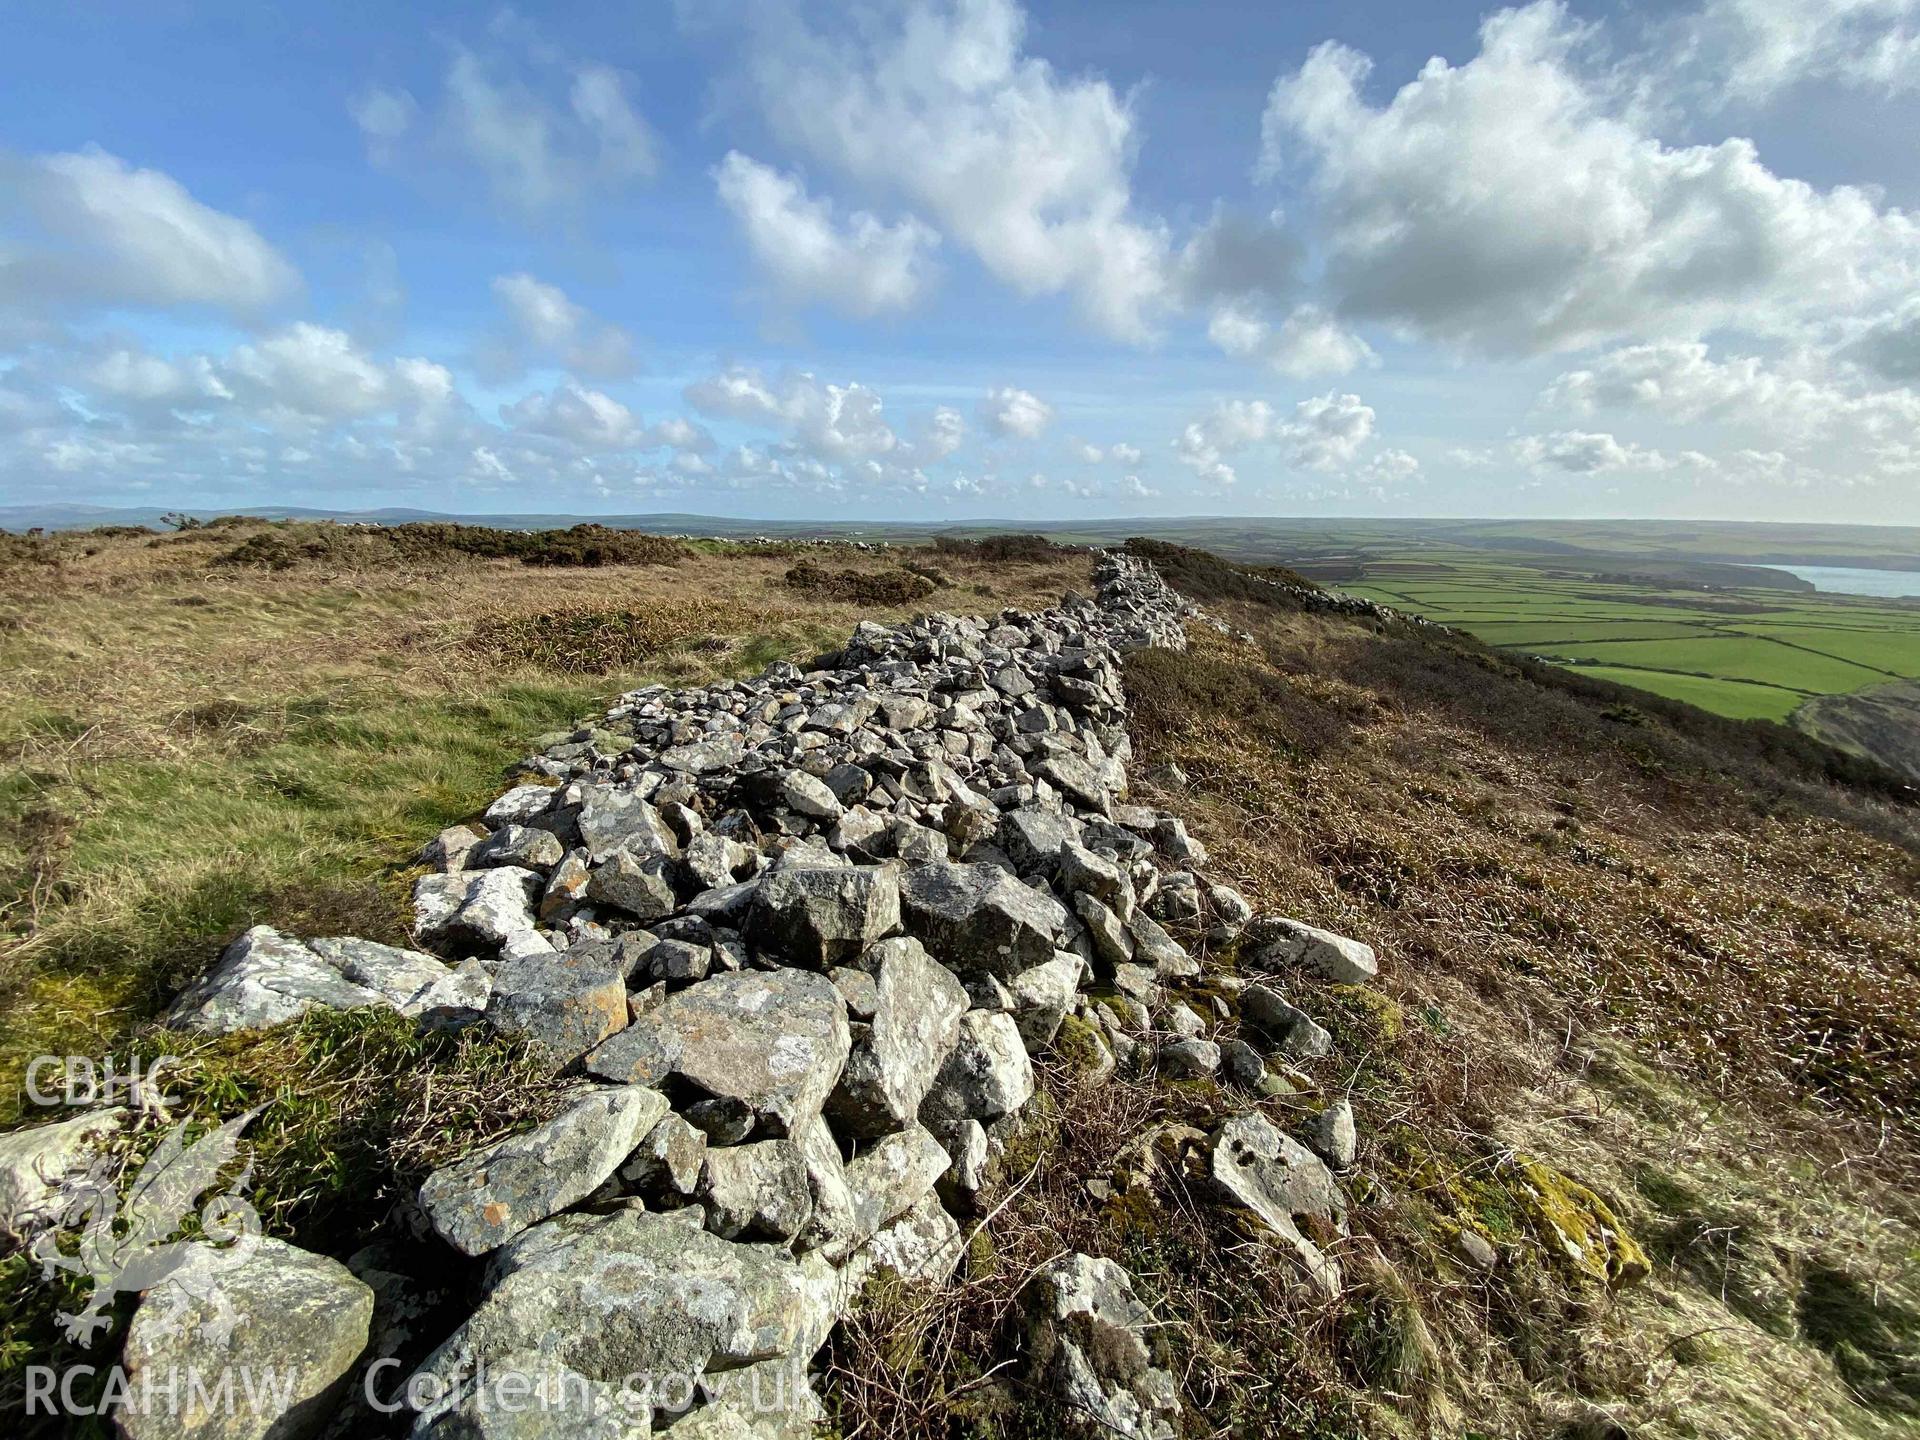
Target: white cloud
(864, 268)
(582, 417)
(544, 322)
(1124, 454)
(830, 423)
(1511, 205)
(1752, 49)
(1584, 452)
(939, 104)
(133, 375)
(1308, 343)
(1089, 454)
(92, 229)
(545, 138)
(1326, 432)
(1007, 411)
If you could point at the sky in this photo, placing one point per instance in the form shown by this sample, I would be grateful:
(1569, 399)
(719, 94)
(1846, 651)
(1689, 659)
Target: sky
(957, 259)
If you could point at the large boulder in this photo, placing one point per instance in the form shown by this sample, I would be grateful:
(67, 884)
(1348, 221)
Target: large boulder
(600, 1305)
(478, 910)
(1089, 1337)
(259, 1311)
(759, 1191)
(987, 1075)
(265, 978)
(821, 916)
(976, 918)
(564, 1003)
(479, 1203)
(915, 1020)
(775, 1042)
(891, 1176)
(613, 819)
(1261, 1168)
(1278, 942)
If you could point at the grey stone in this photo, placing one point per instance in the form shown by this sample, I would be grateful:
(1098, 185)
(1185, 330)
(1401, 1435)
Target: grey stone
(827, 915)
(916, 1019)
(1043, 995)
(923, 1246)
(521, 804)
(566, 1003)
(706, 757)
(776, 1042)
(614, 819)
(1256, 1165)
(978, 917)
(891, 1176)
(517, 845)
(589, 1301)
(758, 1191)
(1296, 1032)
(1278, 942)
(1244, 1065)
(1189, 1058)
(1153, 946)
(258, 1306)
(479, 1203)
(1111, 943)
(808, 795)
(448, 850)
(1332, 1136)
(987, 1075)
(36, 1163)
(1033, 838)
(484, 908)
(1083, 871)
(668, 1159)
(265, 978)
(714, 860)
(1089, 1336)
(640, 885)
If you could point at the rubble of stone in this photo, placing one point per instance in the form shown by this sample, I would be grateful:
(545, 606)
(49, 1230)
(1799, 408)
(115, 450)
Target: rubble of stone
(800, 938)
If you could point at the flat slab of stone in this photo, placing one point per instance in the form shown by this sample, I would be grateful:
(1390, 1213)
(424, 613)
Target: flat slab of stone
(36, 1162)
(915, 1020)
(775, 1041)
(479, 1203)
(265, 978)
(258, 1307)
(593, 1300)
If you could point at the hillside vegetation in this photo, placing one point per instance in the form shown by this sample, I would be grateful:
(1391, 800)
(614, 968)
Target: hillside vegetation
(1637, 1089)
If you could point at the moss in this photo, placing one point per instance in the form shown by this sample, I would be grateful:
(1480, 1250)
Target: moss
(1082, 1047)
(1580, 1225)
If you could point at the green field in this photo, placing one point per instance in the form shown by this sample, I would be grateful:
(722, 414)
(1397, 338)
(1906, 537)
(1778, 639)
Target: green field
(1753, 652)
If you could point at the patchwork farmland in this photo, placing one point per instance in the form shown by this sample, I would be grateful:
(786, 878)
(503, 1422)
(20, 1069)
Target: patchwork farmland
(1752, 653)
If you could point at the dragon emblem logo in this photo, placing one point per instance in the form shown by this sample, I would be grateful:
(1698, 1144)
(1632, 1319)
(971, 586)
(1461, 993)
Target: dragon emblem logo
(131, 1245)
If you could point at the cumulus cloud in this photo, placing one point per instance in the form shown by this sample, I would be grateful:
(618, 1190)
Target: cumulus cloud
(1308, 343)
(1009, 412)
(312, 373)
(1124, 454)
(1326, 432)
(87, 228)
(825, 422)
(1512, 205)
(939, 104)
(543, 324)
(544, 138)
(864, 268)
(1584, 452)
(1752, 49)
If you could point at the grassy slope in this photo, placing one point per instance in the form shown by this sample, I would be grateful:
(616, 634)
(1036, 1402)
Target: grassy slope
(1679, 971)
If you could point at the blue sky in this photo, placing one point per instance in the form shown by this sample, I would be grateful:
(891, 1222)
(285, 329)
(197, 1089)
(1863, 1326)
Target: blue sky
(954, 258)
